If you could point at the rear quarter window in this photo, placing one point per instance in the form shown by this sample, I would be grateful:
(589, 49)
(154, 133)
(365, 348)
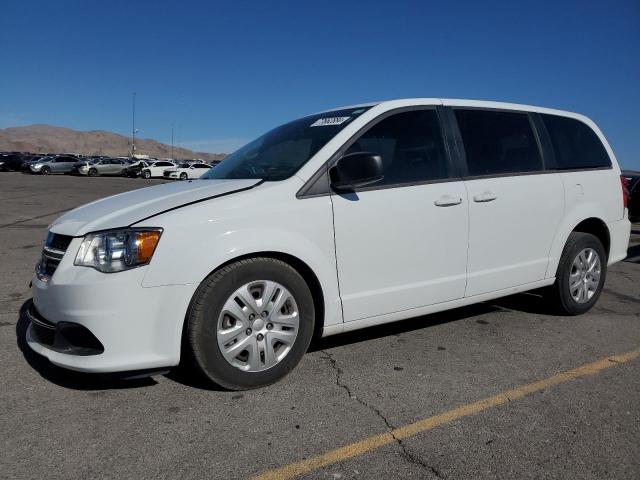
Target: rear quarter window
(575, 144)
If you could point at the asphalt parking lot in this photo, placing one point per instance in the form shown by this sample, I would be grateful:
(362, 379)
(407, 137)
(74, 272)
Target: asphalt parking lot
(451, 395)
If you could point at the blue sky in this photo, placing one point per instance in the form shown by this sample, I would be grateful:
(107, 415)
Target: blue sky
(225, 72)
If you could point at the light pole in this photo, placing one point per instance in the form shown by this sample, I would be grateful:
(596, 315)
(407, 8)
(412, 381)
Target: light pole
(172, 141)
(133, 128)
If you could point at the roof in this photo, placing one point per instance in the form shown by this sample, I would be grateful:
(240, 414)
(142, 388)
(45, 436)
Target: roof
(457, 102)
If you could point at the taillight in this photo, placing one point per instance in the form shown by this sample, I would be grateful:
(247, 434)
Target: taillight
(625, 191)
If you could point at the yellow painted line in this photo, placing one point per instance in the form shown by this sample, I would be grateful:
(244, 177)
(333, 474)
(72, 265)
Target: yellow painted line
(371, 443)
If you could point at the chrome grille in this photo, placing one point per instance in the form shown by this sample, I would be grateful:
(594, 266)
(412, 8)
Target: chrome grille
(54, 249)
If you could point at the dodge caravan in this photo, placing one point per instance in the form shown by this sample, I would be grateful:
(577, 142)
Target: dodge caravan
(337, 221)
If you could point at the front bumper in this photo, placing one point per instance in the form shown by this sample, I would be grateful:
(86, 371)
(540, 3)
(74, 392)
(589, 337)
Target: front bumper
(138, 327)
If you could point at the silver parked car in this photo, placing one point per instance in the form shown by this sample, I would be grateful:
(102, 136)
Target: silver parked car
(54, 164)
(102, 166)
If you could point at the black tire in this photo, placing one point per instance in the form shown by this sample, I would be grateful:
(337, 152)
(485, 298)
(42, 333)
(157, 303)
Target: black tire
(559, 293)
(183, 176)
(93, 172)
(205, 308)
(146, 174)
(46, 170)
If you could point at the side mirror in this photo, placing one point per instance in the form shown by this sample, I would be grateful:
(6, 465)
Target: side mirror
(356, 170)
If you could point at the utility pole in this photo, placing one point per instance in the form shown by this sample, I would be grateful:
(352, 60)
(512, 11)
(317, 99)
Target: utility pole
(172, 141)
(133, 128)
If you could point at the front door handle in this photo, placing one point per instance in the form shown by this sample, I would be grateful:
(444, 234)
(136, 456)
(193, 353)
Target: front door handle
(485, 197)
(447, 201)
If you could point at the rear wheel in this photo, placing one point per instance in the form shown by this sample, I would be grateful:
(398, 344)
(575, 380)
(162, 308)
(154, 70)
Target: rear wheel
(250, 323)
(581, 274)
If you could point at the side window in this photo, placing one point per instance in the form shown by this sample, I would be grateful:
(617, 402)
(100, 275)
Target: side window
(411, 147)
(575, 145)
(497, 142)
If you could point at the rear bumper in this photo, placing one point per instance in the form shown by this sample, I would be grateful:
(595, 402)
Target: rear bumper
(619, 232)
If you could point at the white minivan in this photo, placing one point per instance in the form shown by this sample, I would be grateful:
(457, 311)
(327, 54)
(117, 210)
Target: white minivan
(337, 221)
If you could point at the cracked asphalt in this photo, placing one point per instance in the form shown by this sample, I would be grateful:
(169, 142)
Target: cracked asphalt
(64, 425)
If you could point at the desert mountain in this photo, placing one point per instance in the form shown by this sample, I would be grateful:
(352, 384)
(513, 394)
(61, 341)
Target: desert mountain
(50, 139)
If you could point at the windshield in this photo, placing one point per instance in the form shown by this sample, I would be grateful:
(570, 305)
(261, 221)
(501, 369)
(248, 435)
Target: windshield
(281, 152)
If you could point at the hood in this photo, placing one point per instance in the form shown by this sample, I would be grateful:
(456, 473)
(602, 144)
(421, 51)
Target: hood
(128, 208)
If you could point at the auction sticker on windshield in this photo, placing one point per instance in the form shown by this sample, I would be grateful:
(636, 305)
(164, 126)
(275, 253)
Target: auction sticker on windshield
(322, 122)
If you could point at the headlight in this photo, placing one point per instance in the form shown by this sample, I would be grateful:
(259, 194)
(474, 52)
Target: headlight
(36, 166)
(118, 250)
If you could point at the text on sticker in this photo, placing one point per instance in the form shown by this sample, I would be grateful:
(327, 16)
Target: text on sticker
(322, 122)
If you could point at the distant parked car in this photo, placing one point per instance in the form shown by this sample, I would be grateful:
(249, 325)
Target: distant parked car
(633, 186)
(103, 166)
(156, 169)
(57, 164)
(11, 162)
(186, 171)
(28, 161)
(134, 169)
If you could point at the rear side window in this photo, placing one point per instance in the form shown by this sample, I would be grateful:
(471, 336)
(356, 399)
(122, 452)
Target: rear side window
(575, 145)
(411, 147)
(497, 142)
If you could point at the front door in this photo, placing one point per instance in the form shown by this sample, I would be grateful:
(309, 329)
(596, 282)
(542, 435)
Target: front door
(401, 243)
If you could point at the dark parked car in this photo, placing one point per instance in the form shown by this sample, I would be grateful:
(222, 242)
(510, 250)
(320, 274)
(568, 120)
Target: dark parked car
(12, 161)
(633, 185)
(134, 169)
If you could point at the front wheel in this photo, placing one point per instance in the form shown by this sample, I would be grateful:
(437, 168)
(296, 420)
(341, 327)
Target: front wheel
(146, 174)
(250, 323)
(46, 170)
(581, 274)
(93, 172)
(183, 176)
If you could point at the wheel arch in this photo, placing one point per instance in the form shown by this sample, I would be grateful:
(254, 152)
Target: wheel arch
(297, 264)
(592, 224)
(598, 228)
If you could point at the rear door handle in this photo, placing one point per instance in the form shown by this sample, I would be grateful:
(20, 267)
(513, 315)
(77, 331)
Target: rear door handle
(485, 197)
(447, 201)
